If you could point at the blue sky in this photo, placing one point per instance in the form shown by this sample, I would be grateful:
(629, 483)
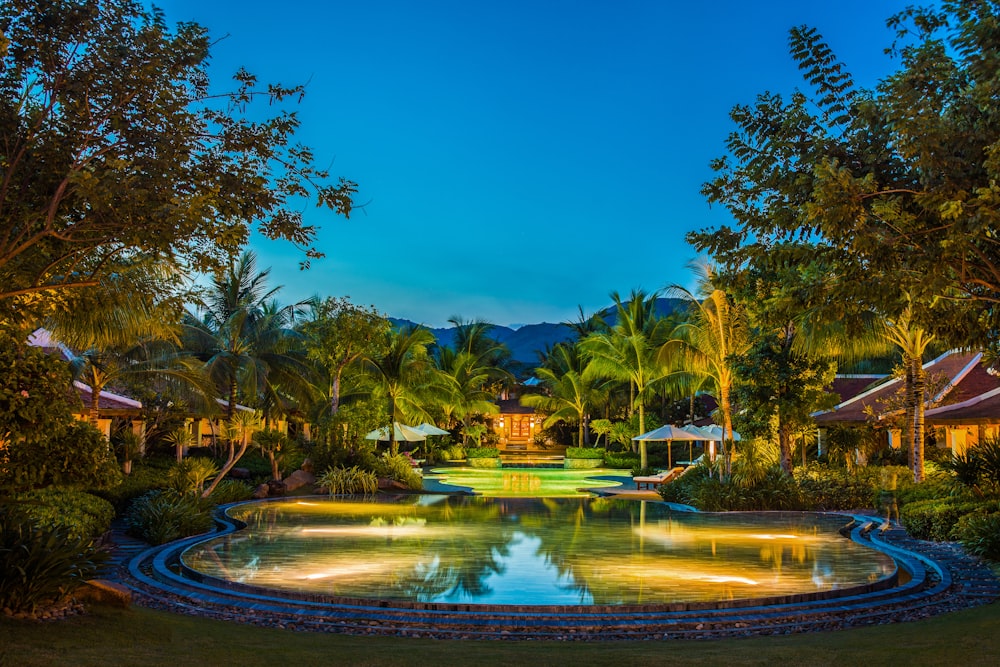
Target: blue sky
(518, 158)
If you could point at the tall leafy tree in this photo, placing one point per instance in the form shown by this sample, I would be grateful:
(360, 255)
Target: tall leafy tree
(892, 190)
(338, 334)
(117, 147)
(779, 388)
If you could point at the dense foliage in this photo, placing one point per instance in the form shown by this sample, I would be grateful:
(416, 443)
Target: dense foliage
(41, 564)
(348, 481)
(163, 516)
(80, 514)
(117, 148)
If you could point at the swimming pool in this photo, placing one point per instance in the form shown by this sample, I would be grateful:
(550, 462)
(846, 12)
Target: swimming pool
(533, 551)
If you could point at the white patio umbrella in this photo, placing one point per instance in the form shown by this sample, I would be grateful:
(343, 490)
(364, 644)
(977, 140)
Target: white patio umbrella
(669, 433)
(402, 432)
(712, 432)
(430, 429)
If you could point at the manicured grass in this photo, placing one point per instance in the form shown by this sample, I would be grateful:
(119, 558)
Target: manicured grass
(138, 636)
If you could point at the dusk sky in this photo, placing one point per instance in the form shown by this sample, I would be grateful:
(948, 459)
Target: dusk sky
(519, 158)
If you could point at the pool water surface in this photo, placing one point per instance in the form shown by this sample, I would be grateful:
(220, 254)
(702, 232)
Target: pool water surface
(532, 551)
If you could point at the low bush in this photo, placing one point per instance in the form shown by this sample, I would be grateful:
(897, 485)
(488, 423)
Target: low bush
(41, 564)
(936, 519)
(163, 516)
(775, 491)
(584, 453)
(81, 515)
(399, 468)
(147, 475)
(482, 453)
(979, 534)
(621, 460)
(348, 481)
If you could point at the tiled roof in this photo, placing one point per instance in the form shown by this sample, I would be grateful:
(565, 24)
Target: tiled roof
(984, 407)
(107, 401)
(958, 367)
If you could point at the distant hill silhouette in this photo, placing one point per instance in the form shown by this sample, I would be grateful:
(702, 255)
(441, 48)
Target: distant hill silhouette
(528, 341)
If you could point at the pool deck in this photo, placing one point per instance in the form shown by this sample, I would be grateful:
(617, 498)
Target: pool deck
(943, 579)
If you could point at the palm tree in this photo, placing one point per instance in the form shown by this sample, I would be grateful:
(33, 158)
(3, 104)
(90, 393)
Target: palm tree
(701, 347)
(464, 380)
(628, 352)
(401, 372)
(571, 393)
(245, 339)
(912, 341)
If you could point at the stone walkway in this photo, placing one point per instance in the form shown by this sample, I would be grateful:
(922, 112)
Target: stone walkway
(944, 579)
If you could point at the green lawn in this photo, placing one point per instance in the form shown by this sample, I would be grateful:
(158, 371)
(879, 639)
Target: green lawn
(143, 637)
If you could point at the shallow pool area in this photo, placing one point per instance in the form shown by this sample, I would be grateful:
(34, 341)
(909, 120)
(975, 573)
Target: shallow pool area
(524, 482)
(533, 551)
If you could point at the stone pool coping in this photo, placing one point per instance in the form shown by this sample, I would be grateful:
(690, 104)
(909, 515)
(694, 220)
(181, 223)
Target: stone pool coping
(944, 578)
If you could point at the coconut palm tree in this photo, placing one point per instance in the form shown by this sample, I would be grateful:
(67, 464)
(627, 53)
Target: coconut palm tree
(628, 352)
(401, 371)
(245, 340)
(464, 380)
(701, 346)
(571, 393)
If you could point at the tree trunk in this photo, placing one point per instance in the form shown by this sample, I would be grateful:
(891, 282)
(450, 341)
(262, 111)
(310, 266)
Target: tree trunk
(727, 429)
(910, 405)
(785, 445)
(231, 408)
(643, 459)
(233, 459)
(335, 391)
(919, 381)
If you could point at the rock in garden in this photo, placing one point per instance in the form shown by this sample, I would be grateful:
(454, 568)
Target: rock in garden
(298, 479)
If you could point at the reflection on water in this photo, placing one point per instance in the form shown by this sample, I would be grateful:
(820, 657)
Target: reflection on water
(542, 551)
(527, 482)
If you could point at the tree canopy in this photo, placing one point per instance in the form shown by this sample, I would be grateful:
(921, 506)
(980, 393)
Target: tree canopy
(891, 191)
(113, 145)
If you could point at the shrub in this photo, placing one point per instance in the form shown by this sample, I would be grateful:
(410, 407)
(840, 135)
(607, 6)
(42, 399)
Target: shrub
(145, 477)
(231, 491)
(41, 564)
(621, 461)
(584, 453)
(76, 456)
(163, 516)
(681, 489)
(979, 533)
(81, 515)
(190, 474)
(482, 453)
(348, 481)
(400, 469)
(936, 519)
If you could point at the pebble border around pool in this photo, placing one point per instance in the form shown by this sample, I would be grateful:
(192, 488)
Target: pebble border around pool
(944, 579)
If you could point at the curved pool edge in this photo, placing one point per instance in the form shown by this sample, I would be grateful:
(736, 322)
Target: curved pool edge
(933, 588)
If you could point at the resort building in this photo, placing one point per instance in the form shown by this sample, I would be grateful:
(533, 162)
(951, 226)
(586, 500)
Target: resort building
(963, 409)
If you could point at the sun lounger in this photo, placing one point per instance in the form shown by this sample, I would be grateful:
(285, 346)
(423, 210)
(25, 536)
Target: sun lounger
(653, 481)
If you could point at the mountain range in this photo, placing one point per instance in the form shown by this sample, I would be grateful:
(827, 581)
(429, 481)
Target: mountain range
(527, 341)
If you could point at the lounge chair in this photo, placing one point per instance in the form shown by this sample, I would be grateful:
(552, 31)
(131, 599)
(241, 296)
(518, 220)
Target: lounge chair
(653, 481)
